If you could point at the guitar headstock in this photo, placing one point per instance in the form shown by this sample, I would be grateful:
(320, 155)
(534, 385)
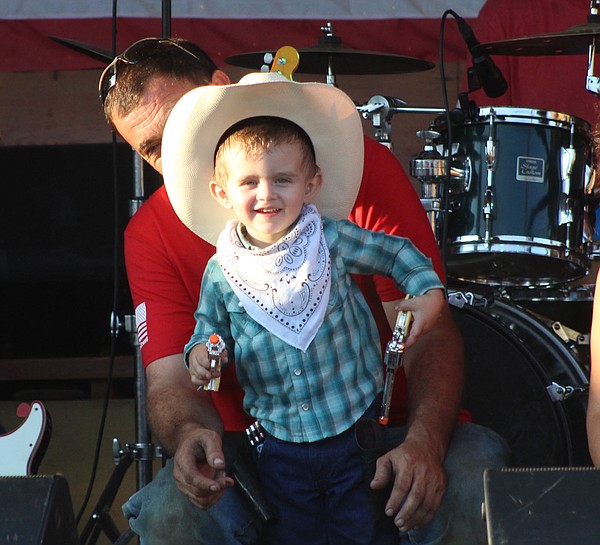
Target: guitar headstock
(285, 62)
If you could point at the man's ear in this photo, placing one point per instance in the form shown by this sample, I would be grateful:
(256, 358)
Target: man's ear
(312, 187)
(219, 78)
(219, 194)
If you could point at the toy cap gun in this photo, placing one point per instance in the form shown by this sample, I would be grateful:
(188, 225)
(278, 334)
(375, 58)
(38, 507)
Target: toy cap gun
(215, 345)
(394, 354)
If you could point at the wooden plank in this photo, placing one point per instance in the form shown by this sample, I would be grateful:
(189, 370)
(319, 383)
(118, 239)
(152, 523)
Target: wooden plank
(87, 368)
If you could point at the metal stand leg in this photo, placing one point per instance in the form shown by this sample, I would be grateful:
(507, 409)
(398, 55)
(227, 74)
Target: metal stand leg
(143, 452)
(101, 521)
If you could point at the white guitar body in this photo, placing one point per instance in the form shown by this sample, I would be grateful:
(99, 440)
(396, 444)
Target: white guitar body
(19, 448)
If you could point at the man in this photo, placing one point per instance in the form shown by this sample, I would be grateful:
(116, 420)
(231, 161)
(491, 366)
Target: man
(138, 90)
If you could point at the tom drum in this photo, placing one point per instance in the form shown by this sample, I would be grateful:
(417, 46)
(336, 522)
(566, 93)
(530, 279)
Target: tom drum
(518, 208)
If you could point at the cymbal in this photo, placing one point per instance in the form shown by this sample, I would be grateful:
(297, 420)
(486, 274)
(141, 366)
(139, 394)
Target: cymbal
(92, 51)
(573, 41)
(339, 59)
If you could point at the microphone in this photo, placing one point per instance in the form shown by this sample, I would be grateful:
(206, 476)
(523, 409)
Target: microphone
(489, 75)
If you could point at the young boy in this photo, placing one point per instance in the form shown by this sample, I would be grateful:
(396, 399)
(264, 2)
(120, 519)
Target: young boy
(279, 290)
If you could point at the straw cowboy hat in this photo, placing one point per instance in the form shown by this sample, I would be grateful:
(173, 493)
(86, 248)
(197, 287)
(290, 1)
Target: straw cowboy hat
(200, 118)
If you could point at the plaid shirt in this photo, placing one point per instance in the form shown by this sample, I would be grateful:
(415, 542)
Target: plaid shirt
(307, 396)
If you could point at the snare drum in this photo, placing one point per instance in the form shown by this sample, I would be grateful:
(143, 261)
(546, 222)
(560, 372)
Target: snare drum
(517, 211)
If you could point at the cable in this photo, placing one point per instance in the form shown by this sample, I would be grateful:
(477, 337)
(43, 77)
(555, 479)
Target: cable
(446, 188)
(114, 325)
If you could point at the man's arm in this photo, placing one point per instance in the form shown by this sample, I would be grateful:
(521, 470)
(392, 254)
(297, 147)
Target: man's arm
(434, 370)
(188, 426)
(593, 408)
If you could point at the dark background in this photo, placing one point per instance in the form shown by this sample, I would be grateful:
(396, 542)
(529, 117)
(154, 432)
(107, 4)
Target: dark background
(62, 217)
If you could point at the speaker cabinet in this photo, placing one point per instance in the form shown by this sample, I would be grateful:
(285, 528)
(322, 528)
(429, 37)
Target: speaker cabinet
(36, 510)
(542, 506)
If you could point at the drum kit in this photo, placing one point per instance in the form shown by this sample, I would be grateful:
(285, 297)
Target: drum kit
(515, 229)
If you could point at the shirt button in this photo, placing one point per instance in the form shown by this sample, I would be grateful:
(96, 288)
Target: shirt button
(240, 304)
(297, 372)
(305, 406)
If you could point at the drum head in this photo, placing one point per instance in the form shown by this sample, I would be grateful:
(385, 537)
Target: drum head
(510, 360)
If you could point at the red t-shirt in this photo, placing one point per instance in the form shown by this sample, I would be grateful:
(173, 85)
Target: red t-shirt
(166, 261)
(553, 83)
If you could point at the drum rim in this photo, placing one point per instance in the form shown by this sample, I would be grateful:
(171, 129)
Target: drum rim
(515, 114)
(529, 323)
(458, 250)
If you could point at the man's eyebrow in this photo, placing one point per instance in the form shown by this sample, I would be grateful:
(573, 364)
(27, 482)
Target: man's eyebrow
(148, 144)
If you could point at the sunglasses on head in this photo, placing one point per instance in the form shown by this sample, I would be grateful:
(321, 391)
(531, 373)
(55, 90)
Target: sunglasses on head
(137, 52)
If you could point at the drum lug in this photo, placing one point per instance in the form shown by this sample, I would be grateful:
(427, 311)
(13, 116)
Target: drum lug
(567, 161)
(460, 173)
(561, 393)
(569, 335)
(459, 299)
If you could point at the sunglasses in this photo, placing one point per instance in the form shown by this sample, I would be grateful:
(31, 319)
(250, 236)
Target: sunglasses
(137, 52)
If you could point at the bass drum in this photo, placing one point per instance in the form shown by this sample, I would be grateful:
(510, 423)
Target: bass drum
(511, 359)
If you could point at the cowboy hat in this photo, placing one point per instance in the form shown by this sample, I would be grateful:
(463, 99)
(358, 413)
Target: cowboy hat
(200, 118)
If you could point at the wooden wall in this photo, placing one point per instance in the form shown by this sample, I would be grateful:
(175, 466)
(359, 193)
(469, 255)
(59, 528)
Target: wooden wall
(62, 108)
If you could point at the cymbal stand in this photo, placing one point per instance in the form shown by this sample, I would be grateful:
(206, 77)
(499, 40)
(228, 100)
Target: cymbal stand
(592, 82)
(329, 38)
(143, 452)
(429, 166)
(380, 110)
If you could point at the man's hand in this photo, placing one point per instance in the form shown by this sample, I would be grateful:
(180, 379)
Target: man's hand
(419, 482)
(426, 311)
(199, 468)
(188, 426)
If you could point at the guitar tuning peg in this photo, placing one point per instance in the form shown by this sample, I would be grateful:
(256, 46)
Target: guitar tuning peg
(268, 58)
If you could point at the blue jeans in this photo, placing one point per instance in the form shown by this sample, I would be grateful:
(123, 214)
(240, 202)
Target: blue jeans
(320, 494)
(160, 515)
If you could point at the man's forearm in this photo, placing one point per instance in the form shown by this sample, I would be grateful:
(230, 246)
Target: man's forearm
(175, 408)
(434, 371)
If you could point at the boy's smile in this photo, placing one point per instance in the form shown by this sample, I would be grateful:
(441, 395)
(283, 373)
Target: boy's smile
(266, 189)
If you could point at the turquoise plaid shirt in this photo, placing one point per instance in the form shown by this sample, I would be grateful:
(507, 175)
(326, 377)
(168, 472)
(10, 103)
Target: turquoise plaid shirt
(307, 396)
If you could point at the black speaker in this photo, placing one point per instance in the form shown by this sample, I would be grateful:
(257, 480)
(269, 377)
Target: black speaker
(36, 510)
(542, 506)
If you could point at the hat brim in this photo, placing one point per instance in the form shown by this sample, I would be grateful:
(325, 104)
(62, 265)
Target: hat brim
(200, 118)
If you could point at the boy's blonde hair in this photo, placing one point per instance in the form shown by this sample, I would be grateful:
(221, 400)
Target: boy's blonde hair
(258, 135)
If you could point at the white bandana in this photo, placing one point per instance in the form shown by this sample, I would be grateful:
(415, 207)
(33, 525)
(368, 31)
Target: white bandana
(284, 287)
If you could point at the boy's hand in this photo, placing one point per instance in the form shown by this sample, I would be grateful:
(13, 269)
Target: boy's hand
(426, 310)
(199, 365)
